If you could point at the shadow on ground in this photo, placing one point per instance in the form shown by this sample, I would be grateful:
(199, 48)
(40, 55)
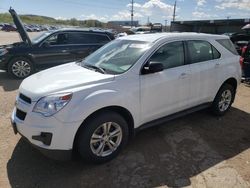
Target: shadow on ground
(8, 83)
(169, 155)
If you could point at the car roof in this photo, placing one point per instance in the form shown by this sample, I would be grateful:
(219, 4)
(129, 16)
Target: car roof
(84, 30)
(157, 36)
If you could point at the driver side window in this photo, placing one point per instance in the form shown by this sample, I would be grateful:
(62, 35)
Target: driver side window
(170, 55)
(57, 39)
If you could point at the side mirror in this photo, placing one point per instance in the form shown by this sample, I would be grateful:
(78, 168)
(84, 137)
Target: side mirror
(152, 67)
(45, 44)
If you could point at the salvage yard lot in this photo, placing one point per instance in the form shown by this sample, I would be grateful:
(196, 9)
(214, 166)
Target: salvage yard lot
(198, 150)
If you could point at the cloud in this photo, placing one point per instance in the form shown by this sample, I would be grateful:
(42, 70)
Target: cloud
(203, 15)
(238, 4)
(201, 2)
(61, 18)
(94, 17)
(125, 15)
(150, 8)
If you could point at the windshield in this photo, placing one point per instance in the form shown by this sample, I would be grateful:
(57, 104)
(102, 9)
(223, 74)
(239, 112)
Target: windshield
(117, 56)
(40, 37)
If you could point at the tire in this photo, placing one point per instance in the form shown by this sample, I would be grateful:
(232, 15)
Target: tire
(223, 100)
(94, 152)
(20, 67)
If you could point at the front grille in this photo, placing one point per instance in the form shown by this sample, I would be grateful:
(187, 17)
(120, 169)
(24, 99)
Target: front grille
(20, 114)
(24, 98)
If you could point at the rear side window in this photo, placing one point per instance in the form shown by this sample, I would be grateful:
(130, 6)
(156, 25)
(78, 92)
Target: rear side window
(226, 43)
(199, 51)
(85, 38)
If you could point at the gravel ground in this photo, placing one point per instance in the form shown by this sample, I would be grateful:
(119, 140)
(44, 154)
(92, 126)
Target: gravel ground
(198, 150)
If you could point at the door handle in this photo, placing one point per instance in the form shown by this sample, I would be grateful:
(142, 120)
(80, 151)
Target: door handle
(183, 75)
(217, 65)
(64, 51)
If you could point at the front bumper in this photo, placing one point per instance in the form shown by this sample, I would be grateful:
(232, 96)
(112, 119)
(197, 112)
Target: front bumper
(49, 135)
(3, 63)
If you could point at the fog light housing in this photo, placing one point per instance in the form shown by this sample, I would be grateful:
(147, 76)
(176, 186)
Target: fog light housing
(44, 137)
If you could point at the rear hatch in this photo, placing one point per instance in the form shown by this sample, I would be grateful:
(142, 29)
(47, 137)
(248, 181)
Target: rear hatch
(20, 28)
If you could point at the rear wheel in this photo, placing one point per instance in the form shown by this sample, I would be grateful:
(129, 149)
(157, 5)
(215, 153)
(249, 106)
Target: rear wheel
(223, 100)
(102, 137)
(20, 67)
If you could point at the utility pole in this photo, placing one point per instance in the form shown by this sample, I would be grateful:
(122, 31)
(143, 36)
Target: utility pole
(174, 14)
(166, 25)
(148, 21)
(132, 13)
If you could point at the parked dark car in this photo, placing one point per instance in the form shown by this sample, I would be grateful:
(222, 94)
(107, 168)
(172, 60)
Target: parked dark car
(48, 49)
(245, 62)
(8, 27)
(240, 40)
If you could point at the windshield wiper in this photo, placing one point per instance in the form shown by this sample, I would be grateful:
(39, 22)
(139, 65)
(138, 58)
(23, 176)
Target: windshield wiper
(99, 69)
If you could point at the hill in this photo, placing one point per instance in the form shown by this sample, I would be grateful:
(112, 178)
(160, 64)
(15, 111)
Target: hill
(36, 19)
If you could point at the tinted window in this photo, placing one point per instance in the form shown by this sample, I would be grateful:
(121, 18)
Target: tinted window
(58, 39)
(199, 51)
(170, 55)
(226, 43)
(85, 38)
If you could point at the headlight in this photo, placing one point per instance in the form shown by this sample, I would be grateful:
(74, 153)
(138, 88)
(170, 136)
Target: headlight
(3, 52)
(51, 104)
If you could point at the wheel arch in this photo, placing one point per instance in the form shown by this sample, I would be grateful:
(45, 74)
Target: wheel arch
(118, 109)
(21, 56)
(231, 81)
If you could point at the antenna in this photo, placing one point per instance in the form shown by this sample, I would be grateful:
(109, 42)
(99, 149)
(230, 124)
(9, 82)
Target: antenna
(132, 13)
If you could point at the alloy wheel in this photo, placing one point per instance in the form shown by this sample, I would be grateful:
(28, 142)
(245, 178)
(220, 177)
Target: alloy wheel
(106, 139)
(225, 101)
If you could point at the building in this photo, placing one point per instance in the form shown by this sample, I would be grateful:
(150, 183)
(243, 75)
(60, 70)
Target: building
(210, 26)
(124, 23)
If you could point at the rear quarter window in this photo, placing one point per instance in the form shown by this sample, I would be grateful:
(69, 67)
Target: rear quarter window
(226, 43)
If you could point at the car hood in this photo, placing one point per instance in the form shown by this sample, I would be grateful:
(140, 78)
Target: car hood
(19, 25)
(66, 77)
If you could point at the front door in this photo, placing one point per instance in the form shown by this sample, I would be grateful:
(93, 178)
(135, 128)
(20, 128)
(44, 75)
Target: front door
(166, 92)
(53, 51)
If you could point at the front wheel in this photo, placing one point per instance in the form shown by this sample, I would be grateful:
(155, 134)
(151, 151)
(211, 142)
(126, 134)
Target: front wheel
(223, 100)
(101, 138)
(20, 67)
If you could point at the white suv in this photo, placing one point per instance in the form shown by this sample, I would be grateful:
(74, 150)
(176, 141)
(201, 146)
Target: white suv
(94, 106)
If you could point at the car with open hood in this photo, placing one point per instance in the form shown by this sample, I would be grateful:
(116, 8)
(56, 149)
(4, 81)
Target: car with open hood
(49, 49)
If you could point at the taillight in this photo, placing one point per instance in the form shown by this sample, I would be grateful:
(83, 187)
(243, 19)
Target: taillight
(241, 62)
(243, 50)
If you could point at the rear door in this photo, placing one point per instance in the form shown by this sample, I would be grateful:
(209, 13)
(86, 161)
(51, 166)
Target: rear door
(81, 44)
(204, 60)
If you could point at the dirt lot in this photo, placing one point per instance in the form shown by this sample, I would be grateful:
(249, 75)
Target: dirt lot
(198, 150)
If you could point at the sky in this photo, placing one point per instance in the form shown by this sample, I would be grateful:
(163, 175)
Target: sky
(154, 10)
